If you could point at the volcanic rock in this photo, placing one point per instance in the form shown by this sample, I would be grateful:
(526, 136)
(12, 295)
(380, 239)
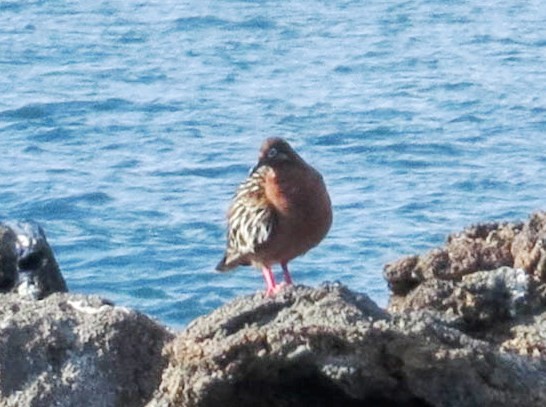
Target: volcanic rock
(74, 350)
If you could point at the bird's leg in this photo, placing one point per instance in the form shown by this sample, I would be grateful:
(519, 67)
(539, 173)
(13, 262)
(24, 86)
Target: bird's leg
(269, 281)
(286, 273)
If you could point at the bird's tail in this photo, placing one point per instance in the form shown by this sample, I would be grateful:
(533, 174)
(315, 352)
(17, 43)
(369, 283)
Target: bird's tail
(222, 266)
(230, 263)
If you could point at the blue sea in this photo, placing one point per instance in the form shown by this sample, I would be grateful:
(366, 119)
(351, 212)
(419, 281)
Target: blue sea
(125, 127)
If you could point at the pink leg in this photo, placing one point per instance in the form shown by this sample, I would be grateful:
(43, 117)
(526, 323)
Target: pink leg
(286, 273)
(269, 281)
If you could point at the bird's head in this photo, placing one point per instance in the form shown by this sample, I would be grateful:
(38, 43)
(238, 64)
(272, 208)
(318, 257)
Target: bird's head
(276, 152)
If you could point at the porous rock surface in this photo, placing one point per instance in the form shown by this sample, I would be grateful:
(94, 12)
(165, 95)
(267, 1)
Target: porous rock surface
(331, 346)
(490, 284)
(75, 350)
(465, 326)
(425, 281)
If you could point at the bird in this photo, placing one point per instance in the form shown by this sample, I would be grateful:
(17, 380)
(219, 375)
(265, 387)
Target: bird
(281, 211)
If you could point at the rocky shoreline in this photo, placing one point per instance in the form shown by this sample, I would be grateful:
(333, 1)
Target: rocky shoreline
(465, 326)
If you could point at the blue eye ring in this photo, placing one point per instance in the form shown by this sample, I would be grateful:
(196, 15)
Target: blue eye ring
(272, 152)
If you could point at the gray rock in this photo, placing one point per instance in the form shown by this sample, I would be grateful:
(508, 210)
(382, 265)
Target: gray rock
(320, 347)
(27, 263)
(486, 298)
(529, 247)
(469, 291)
(465, 327)
(73, 350)
(8, 259)
(479, 247)
(476, 302)
(330, 346)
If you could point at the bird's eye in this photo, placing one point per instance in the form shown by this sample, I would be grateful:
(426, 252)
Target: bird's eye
(272, 152)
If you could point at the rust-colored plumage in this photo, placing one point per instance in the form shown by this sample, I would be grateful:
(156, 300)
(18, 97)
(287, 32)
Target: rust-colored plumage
(278, 213)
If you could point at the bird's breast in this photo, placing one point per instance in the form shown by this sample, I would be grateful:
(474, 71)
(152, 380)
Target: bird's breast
(279, 193)
(301, 203)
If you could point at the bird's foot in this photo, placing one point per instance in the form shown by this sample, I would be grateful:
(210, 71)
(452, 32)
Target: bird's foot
(286, 273)
(272, 291)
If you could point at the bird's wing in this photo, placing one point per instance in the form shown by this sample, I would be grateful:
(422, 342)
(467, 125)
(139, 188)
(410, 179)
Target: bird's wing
(250, 219)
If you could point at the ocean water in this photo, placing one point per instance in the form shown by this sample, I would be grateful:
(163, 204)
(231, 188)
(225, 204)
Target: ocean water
(125, 128)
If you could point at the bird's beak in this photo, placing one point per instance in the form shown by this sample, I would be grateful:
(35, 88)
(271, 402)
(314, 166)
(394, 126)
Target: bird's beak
(253, 170)
(261, 161)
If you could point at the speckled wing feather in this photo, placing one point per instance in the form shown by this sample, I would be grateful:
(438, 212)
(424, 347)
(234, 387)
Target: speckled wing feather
(250, 220)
